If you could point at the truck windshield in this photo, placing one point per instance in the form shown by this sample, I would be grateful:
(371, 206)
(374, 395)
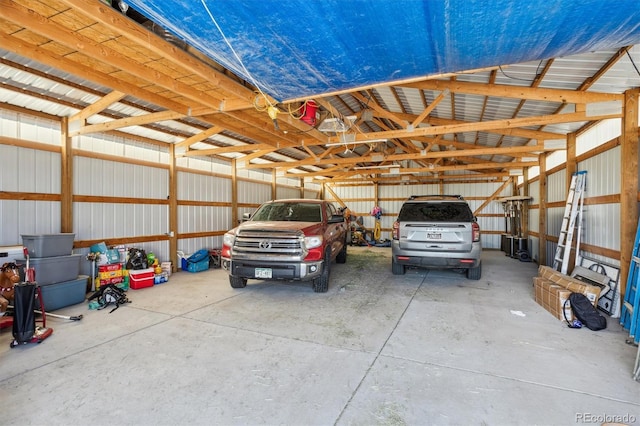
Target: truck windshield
(296, 212)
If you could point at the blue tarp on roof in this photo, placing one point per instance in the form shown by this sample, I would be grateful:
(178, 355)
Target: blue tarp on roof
(294, 49)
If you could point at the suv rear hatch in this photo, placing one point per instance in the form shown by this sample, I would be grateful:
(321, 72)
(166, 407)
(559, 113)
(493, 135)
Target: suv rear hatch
(436, 226)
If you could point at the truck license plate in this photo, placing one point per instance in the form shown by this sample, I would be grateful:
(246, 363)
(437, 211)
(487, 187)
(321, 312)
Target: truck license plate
(434, 236)
(263, 272)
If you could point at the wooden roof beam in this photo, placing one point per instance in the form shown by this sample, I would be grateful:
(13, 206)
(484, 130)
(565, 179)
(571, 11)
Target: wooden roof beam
(532, 149)
(510, 123)
(518, 92)
(98, 106)
(131, 30)
(225, 150)
(48, 58)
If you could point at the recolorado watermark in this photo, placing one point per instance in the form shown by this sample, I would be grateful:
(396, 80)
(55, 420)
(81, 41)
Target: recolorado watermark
(605, 418)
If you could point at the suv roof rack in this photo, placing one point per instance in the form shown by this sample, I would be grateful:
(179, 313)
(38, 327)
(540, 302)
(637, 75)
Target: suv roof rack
(458, 197)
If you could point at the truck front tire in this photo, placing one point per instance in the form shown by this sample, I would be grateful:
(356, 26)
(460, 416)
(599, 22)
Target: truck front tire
(237, 282)
(342, 256)
(321, 284)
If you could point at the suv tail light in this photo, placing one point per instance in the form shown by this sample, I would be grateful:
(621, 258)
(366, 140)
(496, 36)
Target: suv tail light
(475, 229)
(396, 230)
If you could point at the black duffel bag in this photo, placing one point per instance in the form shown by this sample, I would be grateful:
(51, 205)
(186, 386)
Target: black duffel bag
(585, 312)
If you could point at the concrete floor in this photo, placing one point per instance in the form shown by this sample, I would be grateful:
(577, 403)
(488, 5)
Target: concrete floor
(429, 347)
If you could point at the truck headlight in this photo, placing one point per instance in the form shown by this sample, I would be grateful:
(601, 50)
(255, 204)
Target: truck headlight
(228, 239)
(313, 241)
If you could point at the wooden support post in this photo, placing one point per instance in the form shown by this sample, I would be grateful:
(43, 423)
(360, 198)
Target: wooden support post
(571, 164)
(525, 207)
(173, 208)
(234, 194)
(376, 196)
(542, 223)
(274, 185)
(66, 178)
(628, 184)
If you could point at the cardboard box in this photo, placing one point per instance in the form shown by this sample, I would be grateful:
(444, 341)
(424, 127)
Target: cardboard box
(166, 267)
(552, 297)
(141, 278)
(109, 271)
(592, 292)
(106, 281)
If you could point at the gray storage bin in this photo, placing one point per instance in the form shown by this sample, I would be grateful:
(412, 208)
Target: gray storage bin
(55, 269)
(60, 295)
(48, 245)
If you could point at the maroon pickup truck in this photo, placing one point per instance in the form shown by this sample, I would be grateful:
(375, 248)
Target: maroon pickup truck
(294, 239)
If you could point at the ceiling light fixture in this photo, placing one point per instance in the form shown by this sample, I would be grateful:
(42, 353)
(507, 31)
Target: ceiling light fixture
(355, 142)
(387, 166)
(337, 125)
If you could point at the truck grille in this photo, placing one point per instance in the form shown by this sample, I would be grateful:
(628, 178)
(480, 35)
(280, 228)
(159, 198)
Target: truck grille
(269, 243)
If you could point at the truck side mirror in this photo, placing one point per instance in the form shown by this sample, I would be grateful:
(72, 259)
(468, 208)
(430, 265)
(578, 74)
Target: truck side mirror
(336, 218)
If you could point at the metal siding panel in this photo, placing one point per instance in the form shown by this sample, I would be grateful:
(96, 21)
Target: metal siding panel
(9, 123)
(27, 217)
(534, 192)
(557, 186)
(534, 220)
(556, 158)
(534, 247)
(198, 187)
(604, 131)
(491, 241)
(9, 171)
(310, 194)
(554, 220)
(286, 192)
(253, 192)
(601, 226)
(550, 252)
(603, 173)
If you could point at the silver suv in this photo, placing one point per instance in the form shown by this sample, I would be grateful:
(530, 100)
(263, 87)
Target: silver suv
(436, 231)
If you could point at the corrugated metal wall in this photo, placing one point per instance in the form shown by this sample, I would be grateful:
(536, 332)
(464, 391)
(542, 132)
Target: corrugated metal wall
(601, 224)
(28, 170)
(38, 171)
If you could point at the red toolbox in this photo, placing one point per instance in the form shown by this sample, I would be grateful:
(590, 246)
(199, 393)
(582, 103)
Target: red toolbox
(141, 278)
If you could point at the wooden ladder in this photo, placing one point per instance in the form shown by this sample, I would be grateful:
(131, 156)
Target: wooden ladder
(571, 220)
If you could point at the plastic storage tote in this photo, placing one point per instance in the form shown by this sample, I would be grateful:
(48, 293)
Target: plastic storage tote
(60, 295)
(56, 269)
(48, 245)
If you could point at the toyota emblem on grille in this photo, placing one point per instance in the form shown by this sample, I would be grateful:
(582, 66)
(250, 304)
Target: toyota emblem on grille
(265, 245)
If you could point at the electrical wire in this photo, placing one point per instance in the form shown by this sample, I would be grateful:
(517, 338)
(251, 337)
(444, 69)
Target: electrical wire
(224, 38)
(513, 78)
(632, 62)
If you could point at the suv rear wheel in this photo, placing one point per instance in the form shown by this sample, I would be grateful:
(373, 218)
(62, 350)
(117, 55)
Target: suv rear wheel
(396, 268)
(475, 273)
